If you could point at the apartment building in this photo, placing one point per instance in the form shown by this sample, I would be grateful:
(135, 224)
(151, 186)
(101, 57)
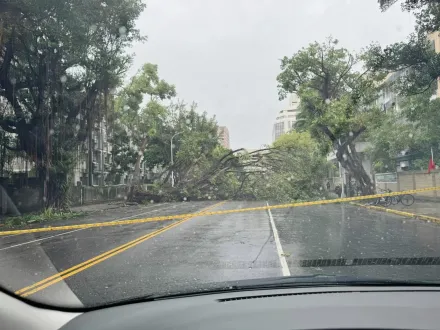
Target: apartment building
(388, 97)
(286, 118)
(223, 136)
(100, 155)
(434, 38)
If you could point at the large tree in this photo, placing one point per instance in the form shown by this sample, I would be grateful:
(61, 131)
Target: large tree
(142, 121)
(337, 101)
(413, 129)
(417, 56)
(58, 63)
(406, 4)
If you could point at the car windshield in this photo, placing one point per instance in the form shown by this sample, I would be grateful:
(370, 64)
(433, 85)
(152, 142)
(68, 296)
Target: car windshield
(154, 147)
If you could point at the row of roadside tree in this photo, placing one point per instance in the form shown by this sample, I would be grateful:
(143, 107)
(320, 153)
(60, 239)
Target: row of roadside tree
(62, 71)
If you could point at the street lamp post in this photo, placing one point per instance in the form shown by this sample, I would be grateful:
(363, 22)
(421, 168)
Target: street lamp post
(172, 159)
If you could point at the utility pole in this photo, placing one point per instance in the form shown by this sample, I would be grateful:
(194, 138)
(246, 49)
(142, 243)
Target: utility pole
(172, 159)
(47, 162)
(343, 181)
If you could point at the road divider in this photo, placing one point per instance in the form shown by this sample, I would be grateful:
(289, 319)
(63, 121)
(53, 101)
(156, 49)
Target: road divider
(402, 213)
(24, 292)
(180, 216)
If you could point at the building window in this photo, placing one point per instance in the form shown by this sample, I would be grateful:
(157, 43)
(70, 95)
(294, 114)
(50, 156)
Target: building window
(278, 129)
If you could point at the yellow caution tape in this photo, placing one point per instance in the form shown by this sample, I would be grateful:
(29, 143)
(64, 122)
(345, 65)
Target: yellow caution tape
(402, 213)
(180, 216)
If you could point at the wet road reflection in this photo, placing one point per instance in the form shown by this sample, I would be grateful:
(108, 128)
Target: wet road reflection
(348, 232)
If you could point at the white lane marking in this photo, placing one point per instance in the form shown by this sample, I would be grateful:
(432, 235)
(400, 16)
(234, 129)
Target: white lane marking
(40, 239)
(283, 261)
(71, 231)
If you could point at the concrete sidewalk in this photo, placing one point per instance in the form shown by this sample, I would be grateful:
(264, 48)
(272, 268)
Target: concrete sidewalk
(92, 208)
(419, 207)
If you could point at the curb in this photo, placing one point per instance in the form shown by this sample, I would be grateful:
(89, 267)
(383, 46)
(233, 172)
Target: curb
(404, 214)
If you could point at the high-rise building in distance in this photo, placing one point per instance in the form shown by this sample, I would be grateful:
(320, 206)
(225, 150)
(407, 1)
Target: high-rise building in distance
(286, 118)
(223, 136)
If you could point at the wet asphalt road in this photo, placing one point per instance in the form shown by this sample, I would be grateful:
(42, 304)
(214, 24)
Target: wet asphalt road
(218, 248)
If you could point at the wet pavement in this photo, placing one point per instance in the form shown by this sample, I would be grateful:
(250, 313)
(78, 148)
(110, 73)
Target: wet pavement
(219, 249)
(333, 232)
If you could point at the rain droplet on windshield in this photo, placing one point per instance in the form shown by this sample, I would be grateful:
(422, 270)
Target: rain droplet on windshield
(122, 31)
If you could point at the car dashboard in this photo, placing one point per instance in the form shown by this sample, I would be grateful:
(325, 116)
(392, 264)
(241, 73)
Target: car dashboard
(300, 308)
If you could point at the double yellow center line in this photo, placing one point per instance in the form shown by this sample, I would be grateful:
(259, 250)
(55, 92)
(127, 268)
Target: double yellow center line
(24, 292)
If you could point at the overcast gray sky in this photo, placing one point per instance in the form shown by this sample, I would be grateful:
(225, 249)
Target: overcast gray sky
(224, 54)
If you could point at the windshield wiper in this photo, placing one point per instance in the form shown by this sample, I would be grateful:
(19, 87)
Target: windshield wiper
(324, 280)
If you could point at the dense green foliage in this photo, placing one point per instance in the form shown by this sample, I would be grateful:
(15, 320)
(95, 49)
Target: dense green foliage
(141, 122)
(337, 101)
(298, 170)
(414, 128)
(417, 55)
(58, 63)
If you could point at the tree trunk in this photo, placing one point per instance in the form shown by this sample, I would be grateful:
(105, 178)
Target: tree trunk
(137, 166)
(350, 160)
(56, 189)
(137, 169)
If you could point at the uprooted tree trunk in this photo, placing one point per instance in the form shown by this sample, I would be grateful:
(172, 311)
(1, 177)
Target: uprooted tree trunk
(349, 158)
